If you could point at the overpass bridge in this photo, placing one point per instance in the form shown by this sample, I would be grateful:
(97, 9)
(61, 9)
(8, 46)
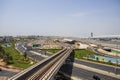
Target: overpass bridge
(45, 69)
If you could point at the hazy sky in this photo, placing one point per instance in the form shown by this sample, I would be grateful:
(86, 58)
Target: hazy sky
(59, 17)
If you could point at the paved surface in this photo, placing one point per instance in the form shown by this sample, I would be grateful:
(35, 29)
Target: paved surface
(7, 73)
(78, 72)
(46, 44)
(42, 52)
(82, 74)
(34, 56)
(20, 47)
(110, 74)
(99, 66)
(30, 54)
(11, 73)
(107, 68)
(102, 70)
(111, 44)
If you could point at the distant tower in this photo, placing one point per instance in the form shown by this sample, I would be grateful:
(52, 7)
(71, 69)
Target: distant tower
(91, 34)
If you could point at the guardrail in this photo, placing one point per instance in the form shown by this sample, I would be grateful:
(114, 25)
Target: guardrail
(45, 69)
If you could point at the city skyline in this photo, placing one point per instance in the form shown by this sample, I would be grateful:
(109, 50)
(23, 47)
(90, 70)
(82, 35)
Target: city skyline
(60, 18)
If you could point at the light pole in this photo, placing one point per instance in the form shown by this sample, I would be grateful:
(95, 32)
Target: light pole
(116, 61)
(116, 64)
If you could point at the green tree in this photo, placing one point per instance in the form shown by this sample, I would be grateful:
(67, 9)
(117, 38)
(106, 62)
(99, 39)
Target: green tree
(5, 56)
(97, 58)
(25, 55)
(110, 62)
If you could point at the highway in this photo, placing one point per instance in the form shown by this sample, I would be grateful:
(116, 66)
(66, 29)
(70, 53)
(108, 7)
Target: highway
(42, 52)
(7, 73)
(46, 69)
(30, 54)
(19, 46)
(104, 67)
(82, 73)
(98, 66)
(34, 56)
(76, 72)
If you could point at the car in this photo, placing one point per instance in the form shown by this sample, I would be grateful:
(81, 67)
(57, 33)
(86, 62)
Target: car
(68, 60)
(96, 77)
(0, 69)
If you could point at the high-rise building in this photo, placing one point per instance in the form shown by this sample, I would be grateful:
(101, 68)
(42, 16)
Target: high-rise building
(91, 34)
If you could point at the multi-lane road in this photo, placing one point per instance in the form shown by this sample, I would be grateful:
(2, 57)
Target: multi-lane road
(7, 73)
(82, 74)
(20, 47)
(85, 74)
(71, 70)
(99, 66)
(46, 69)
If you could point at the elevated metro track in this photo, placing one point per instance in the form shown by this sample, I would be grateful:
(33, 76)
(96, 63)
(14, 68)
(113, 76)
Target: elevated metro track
(45, 69)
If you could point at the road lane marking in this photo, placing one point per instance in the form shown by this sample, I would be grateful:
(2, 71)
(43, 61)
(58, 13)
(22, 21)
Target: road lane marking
(96, 70)
(39, 54)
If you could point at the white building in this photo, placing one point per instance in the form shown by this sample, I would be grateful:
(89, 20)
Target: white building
(83, 46)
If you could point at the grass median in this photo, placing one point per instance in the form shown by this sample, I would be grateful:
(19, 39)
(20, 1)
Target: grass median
(53, 51)
(81, 53)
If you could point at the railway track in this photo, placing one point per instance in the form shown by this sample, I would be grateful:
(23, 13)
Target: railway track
(45, 69)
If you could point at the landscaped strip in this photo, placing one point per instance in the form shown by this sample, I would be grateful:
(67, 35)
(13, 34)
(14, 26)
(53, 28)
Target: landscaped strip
(82, 53)
(53, 51)
(86, 55)
(17, 60)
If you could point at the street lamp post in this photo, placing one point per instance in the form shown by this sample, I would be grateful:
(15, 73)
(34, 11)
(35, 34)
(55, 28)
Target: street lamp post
(116, 62)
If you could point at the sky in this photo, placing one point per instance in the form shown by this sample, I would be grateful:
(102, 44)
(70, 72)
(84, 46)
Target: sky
(77, 18)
